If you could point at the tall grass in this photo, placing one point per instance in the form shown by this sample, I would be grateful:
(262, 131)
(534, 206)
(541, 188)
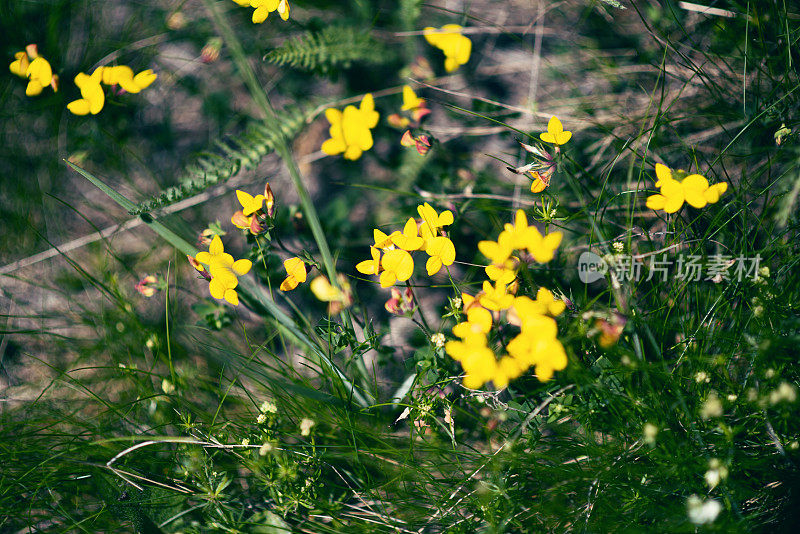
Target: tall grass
(677, 411)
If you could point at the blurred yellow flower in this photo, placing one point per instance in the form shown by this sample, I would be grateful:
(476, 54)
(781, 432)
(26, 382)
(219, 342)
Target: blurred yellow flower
(555, 133)
(36, 69)
(123, 76)
(448, 39)
(265, 7)
(693, 189)
(92, 96)
(296, 273)
(350, 130)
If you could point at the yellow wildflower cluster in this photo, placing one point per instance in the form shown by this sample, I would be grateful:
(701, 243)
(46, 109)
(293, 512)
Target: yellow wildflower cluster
(265, 7)
(693, 189)
(223, 271)
(93, 97)
(449, 39)
(391, 258)
(351, 129)
(36, 69)
(536, 345)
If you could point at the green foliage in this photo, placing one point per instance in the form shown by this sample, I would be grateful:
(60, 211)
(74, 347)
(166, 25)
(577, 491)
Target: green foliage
(331, 48)
(182, 413)
(243, 151)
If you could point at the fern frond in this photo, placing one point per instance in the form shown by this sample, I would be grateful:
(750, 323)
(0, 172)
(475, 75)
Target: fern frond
(244, 151)
(331, 47)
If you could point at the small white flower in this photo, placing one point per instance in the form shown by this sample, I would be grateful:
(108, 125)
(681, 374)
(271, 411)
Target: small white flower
(457, 303)
(438, 340)
(268, 407)
(618, 246)
(702, 512)
(305, 427)
(167, 387)
(732, 397)
(712, 407)
(701, 376)
(716, 472)
(650, 432)
(785, 392)
(246, 442)
(261, 418)
(265, 449)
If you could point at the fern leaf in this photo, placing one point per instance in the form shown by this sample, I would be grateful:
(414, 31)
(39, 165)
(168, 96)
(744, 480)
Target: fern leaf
(331, 47)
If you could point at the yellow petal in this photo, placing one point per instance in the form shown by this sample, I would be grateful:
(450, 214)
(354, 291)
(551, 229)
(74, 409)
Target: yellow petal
(259, 16)
(289, 283)
(563, 137)
(538, 185)
(433, 265)
(674, 193)
(216, 247)
(296, 268)
(334, 146)
(547, 137)
(663, 174)
(40, 71)
(400, 263)
(656, 202)
(79, 107)
(410, 99)
(34, 88)
(145, 78)
(217, 288)
(242, 267)
(388, 278)
(696, 182)
(695, 197)
(232, 297)
(554, 125)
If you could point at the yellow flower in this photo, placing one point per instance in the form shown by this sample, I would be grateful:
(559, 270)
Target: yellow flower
(250, 204)
(409, 239)
(336, 298)
(40, 74)
(398, 266)
(432, 220)
(504, 273)
(545, 304)
(693, 189)
(497, 251)
(351, 130)
(448, 39)
(496, 297)
(296, 271)
(93, 99)
(224, 271)
(542, 248)
(123, 76)
(371, 266)
(555, 132)
(441, 251)
(20, 65)
(382, 240)
(410, 100)
(265, 7)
